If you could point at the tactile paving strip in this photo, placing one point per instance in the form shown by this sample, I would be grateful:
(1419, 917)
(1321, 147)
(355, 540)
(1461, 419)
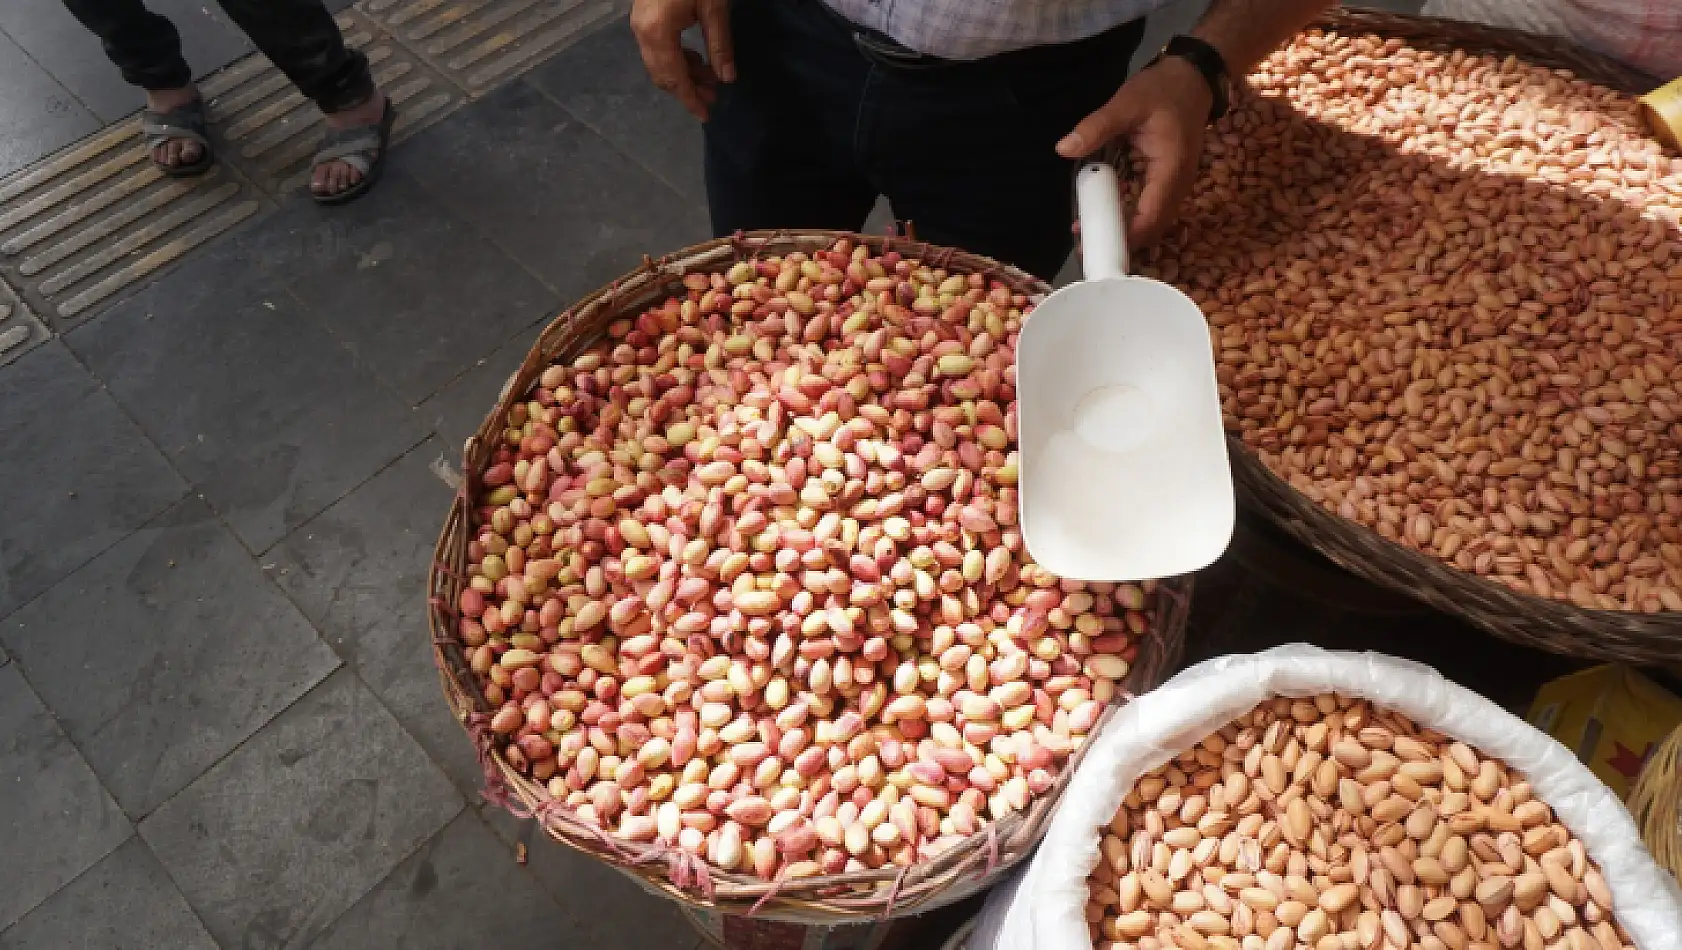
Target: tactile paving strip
(480, 43)
(98, 218)
(271, 131)
(82, 227)
(19, 330)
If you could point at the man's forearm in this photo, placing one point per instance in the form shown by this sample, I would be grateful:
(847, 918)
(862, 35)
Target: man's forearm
(1246, 31)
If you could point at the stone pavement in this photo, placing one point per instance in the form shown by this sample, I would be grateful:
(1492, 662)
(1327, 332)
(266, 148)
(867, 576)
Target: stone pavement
(220, 725)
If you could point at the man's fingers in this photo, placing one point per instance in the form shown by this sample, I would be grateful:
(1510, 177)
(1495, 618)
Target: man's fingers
(676, 80)
(1166, 181)
(661, 45)
(670, 72)
(1088, 136)
(1115, 118)
(700, 71)
(1162, 115)
(715, 26)
(702, 76)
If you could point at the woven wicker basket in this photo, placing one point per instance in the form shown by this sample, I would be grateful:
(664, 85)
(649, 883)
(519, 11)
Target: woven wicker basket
(844, 898)
(1523, 618)
(1656, 803)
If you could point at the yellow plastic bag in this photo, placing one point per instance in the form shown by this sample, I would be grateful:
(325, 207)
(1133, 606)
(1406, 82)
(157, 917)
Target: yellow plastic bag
(1663, 109)
(1611, 716)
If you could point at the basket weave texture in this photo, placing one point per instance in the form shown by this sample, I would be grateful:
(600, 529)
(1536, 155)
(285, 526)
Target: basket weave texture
(1519, 617)
(844, 898)
(1656, 803)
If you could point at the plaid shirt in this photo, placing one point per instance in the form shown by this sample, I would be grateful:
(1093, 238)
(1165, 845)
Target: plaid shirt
(972, 29)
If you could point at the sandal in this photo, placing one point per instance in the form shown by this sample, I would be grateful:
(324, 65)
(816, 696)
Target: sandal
(182, 123)
(363, 148)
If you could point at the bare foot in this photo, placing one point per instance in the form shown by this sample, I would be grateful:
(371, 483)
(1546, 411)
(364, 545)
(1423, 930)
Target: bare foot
(333, 177)
(174, 153)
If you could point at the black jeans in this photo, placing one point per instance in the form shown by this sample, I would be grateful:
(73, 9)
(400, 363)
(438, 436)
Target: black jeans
(814, 129)
(298, 36)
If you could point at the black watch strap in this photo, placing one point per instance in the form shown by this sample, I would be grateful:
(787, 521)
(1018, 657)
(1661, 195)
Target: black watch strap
(1207, 60)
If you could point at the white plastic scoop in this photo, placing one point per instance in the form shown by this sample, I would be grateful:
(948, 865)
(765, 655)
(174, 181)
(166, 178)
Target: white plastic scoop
(1124, 472)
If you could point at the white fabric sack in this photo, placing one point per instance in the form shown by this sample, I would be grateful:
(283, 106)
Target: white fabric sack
(1042, 905)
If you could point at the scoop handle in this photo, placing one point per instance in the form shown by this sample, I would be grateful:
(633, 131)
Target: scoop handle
(1103, 240)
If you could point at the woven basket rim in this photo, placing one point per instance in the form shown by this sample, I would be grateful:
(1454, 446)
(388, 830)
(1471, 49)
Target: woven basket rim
(1441, 33)
(950, 875)
(1526, 618)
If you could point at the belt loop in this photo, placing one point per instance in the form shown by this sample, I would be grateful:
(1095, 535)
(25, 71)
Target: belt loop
(887, 52)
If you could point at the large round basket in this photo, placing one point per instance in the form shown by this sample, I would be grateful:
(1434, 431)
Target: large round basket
(825, 900)
(1656, 803)
(1520, 617)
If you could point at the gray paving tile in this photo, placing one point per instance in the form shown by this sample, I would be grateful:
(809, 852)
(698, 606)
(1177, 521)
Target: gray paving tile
(281, 837)
(266, 413)
(601, 80)
(561, 200)
(164, 653)
(93, 223)
(480, 44)
(125, 902)
(456, 411)
(416, 292)
(619, 912)
(462, 890)
(37, 115)
(78, 474)
(65, 48)
(56, 821)
(358, 571)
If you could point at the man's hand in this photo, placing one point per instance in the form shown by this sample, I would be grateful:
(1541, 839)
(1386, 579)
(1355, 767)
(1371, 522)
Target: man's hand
(1162, 111)
(659, 26)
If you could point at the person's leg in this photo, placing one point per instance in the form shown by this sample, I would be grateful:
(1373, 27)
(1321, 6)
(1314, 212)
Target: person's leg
(147, 50)
(140, 43)
(968, 154)
(779, 141)
(301, 38)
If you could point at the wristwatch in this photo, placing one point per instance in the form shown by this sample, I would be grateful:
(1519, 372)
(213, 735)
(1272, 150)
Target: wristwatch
(1208, 61)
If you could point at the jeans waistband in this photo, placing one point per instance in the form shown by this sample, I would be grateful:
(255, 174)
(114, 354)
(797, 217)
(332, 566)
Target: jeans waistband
(885, 51)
